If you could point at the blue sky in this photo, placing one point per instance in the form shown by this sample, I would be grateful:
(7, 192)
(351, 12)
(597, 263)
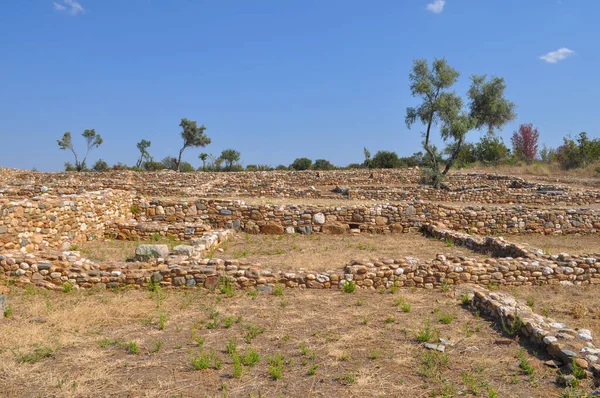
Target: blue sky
(277, 79)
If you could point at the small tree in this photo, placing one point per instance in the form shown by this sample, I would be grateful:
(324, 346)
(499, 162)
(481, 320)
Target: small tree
(322, 164)
(301, 164)
(143, 146)
(92, 139)
(193, 136)
(203, 156)
(367, 163)
(385, 160)
(487, 108)
(525, 142)
(231, 157)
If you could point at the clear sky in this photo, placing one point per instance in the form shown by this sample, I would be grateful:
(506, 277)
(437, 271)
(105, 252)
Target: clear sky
(278, 79)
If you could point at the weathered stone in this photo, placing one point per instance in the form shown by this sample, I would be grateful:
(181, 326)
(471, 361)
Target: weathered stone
(144, 252)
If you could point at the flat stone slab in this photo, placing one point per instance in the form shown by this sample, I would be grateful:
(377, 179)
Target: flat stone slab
(152, 251)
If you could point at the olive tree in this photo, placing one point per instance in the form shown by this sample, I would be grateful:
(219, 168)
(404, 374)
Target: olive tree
(92, 139)
(487, 108)
(193, 136)
(143, 146)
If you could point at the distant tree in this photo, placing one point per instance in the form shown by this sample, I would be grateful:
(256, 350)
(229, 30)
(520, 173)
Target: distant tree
(466, 155)
(487, 108)
(367, 163)
(186, 167)
(578, 153)
(589, 149)
(259, 167)
(281, 167)
(231, 157)
(92, 139)
(416, 159)
(100, 165)
(153, 166)
(193, 136)
(322, 164)
(548, 155)
(352, 166)
(203, 156)
(385, 160)
(143, 146)
(170, 163)
(491, 149)
(525, 141)
(301, 164)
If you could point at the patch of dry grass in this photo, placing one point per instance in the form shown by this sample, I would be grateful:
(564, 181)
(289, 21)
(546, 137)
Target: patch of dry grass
(347, 340)
(320, 252)
(577, 306)
(555, 244)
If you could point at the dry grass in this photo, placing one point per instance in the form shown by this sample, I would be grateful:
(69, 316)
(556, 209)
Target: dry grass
(118, 250)
(357, 345)
(319, 252)
(584, 177)
(577, 306)
(555, 244)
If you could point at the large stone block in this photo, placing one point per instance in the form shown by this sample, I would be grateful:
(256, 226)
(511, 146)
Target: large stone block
(144, 252)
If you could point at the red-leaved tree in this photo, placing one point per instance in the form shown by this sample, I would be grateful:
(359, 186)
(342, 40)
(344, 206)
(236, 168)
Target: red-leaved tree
(525, 141)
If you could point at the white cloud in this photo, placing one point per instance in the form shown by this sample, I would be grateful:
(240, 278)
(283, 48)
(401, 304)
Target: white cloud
(554, 56)
(437, 6)
(70, 6)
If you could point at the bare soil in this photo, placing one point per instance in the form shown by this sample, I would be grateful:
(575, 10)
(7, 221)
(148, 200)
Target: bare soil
(112, 344)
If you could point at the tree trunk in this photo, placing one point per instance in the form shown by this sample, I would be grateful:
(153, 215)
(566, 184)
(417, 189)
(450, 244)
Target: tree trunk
(179, 158)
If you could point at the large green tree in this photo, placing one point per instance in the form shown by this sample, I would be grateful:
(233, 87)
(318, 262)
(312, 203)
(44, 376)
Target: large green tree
(439, 105)
(92, 139)
(193, 136)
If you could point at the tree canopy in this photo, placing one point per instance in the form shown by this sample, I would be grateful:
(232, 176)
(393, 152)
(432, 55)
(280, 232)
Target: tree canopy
(193, 136)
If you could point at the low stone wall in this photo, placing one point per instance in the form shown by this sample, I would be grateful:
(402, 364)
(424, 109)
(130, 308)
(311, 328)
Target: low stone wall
(47, 221)
(379, 218)
(563, 343)
(51, 269)
(130, 230)
(496, 246)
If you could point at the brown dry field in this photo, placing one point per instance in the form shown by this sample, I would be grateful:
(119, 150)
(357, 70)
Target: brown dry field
(331, 344)
(314, 252)
(577, 306)
(555, 244)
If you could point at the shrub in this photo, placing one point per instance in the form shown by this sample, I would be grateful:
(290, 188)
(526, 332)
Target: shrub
(251, 357)
(385, 160)
(276, 366)
(349, 287)
(322, 164)
(301, 164)
(100, 165)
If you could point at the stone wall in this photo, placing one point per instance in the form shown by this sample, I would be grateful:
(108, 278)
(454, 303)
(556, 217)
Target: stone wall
(564, 344)
(48, 221)
(52, 268)
(379, 185)
(496, 246)
(379, 218)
